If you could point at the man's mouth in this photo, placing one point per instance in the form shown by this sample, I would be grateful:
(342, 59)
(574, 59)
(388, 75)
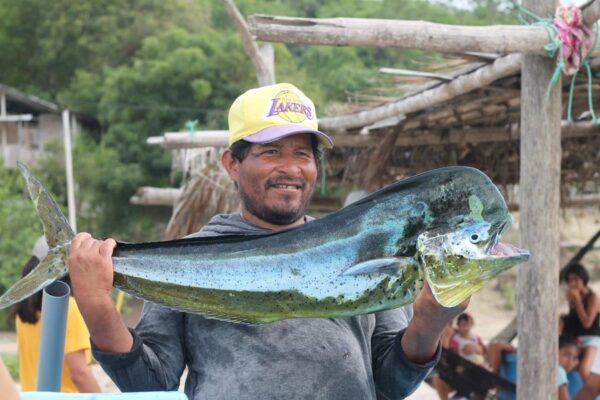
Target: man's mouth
(286, 185)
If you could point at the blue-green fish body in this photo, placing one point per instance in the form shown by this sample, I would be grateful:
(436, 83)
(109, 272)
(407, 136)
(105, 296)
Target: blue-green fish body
(370, 256)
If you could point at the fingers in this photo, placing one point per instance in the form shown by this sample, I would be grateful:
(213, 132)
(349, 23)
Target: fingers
(106, 247)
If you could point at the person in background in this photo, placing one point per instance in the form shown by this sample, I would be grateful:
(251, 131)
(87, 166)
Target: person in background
(466, 343)
(441, 387)
(583, 318)
(77, 375)
(568, 358)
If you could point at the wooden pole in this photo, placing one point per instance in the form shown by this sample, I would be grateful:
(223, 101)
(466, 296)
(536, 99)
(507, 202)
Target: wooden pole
(501, 67)
(401, 34)
(423, 35)
(262, 58)
(408, 138)
(153, 196)
(539, 191)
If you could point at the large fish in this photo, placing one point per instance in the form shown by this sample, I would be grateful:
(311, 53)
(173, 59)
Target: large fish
(443, 226)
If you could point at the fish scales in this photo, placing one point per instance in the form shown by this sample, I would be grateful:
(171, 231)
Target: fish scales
(442, 226)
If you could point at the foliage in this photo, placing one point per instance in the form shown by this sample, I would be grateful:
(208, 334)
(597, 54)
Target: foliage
(12, 364)
(19, 227)
(144, 67)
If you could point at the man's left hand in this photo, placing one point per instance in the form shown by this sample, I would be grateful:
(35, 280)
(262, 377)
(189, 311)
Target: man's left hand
(421, 338)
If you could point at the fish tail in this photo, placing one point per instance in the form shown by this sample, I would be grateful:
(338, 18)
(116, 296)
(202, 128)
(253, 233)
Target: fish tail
(58, 234)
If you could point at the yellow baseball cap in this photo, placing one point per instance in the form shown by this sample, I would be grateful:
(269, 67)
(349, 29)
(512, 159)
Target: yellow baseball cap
(269, 113)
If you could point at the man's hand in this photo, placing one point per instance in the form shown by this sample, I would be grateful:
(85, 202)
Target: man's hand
(91, 269)
(91, 272)
(423, 333)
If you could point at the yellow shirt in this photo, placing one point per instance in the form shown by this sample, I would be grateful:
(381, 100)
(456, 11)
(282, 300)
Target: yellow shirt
(28, 338)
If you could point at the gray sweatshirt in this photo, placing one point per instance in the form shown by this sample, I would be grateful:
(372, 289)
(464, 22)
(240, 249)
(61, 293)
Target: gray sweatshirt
(337, 358)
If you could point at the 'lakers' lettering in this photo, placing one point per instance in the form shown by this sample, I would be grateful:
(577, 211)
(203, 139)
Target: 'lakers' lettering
(289, 107)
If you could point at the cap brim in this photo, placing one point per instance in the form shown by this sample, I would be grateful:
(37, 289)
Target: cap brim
(274, 133)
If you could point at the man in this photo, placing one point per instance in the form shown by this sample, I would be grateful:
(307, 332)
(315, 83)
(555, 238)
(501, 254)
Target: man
(273, 153)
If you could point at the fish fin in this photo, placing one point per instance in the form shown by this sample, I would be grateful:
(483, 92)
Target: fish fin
(452, 295)
(53, 267)
(56, 227)
(58, 234)
(388, 265)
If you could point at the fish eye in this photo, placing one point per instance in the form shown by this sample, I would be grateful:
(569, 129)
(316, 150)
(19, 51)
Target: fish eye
(474, 238)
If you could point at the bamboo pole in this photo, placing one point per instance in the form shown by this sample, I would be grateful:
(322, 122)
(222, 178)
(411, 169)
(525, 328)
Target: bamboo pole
(539, 191)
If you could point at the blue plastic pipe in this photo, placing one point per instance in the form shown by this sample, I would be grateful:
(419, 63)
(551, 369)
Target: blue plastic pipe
(55, 304)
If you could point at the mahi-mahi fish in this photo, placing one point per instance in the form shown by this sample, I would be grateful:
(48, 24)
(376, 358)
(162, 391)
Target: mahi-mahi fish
(442, 226)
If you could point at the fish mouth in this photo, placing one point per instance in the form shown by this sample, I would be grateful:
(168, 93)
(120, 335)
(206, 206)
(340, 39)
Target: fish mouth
(498, 249)
(507, 250)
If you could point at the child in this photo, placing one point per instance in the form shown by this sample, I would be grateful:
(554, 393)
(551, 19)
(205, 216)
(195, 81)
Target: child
(568, 358)
(583, 320)
(465, 343)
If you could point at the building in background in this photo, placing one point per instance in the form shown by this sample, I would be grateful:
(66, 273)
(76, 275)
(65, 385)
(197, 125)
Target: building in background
(27, 123)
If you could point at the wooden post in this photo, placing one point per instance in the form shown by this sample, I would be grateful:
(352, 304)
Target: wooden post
(539, 190)
(262, 58)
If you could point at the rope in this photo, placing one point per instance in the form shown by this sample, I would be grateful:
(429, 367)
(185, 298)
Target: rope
(572, 39)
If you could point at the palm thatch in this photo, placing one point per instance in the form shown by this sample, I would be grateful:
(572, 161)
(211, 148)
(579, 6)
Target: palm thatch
(207, 192)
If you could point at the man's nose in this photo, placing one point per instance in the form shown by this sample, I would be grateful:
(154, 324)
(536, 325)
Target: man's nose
(289, 166)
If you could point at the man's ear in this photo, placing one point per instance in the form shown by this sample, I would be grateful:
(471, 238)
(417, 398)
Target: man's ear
(230, 164)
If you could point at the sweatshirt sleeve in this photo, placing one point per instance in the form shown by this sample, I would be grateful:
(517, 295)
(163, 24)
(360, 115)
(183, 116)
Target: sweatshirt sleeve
(395, 376)
(156, 360)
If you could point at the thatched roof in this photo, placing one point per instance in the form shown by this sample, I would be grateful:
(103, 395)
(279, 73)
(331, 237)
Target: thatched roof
(479, 128)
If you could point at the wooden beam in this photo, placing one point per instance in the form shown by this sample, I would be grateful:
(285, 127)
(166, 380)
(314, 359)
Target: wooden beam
(591, 12)
(261, 58)
(417, 74)
(539, 199)
(400, 34)
(410, 138)
(422, 35)
(153, 196)
(16, 118)
(500, 68)
(187, 140)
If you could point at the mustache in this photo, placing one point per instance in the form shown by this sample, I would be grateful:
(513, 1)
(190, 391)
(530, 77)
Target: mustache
(285, 180)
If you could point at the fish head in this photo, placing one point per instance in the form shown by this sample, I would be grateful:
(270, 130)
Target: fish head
(457, 262)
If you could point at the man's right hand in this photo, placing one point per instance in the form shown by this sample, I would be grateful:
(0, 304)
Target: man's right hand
(91, 273)
(91, 269)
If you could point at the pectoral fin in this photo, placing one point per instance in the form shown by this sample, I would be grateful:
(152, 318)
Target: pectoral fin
(388, 265)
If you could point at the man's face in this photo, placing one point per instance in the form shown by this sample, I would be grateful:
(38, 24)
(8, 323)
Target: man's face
(276, 180)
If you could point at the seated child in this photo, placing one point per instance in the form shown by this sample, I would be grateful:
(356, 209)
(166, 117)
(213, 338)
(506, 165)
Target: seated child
(465, 343)
(568, 358)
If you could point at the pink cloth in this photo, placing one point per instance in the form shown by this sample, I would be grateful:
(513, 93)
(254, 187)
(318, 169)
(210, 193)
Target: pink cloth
(576, 38)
